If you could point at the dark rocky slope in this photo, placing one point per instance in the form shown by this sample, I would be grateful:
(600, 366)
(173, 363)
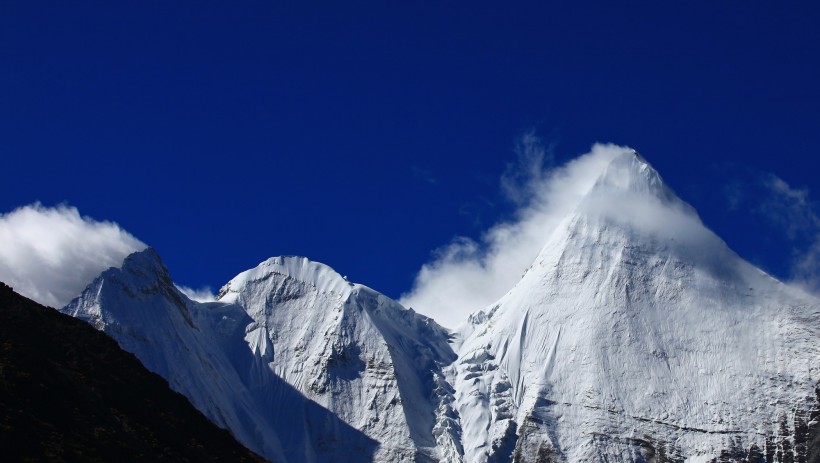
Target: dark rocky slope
(69, 393)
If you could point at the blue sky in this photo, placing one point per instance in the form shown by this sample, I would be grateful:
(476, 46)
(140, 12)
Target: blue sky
(366, 135)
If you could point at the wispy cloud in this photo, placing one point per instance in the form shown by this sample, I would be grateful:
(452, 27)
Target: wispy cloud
(792, 210)
(203, 294)
(467, 274)
(734, 194)
(806, 267)
(50, 254)
(523, 178)
(789, 207)
(424, 175)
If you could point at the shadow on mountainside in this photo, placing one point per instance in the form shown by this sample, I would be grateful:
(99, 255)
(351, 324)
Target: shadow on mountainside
(69, 393)
(307, 430)
(204, 351)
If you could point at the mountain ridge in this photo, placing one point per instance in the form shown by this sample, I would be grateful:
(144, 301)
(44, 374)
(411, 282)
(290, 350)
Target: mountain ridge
(287, 337)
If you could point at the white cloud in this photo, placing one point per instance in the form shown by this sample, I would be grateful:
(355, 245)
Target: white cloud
(468, 275)
(203, 294)
(529, 172)
(51, 254)
(789, 207)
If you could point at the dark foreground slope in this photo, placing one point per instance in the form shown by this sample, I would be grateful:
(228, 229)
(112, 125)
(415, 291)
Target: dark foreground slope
(69, 393)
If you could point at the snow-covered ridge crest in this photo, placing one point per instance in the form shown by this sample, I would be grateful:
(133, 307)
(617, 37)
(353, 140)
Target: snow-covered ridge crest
(302, 269)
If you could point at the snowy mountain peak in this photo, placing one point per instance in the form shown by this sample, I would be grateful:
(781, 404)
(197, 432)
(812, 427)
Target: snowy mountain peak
(630, 206)
(629, 182)
(142, 277)
(320, 276)
(630, 172)
(145, 269)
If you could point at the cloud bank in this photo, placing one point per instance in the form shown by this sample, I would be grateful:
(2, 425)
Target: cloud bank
(468, 275)
(50, 254)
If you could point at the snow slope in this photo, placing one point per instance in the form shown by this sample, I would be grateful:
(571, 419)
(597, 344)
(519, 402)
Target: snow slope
(298, 363)
(637, 336)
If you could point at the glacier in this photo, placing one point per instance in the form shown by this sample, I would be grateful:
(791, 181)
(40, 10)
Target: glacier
(636, 335)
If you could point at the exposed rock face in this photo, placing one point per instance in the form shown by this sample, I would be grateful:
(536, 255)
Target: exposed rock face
(69, 393)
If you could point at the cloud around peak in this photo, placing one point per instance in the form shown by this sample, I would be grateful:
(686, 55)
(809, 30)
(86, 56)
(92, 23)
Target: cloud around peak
(467, 275)
(50, 254)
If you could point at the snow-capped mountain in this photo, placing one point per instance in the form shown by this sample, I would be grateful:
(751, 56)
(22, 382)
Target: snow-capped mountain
(300, 364)
(639, 336)
(636, 335)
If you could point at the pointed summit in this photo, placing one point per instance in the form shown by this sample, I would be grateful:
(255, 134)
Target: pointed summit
(630, 190)
(630, 172)
(142, 276)
(630, 212)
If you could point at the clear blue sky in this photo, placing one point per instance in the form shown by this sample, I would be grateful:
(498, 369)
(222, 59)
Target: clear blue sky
(367, 134)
